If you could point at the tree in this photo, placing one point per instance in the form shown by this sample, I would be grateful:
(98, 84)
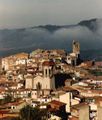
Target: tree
(8, 98)
(30, 113)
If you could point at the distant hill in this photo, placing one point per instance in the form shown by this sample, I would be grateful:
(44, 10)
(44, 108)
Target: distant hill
(91, 24)
(87, 32)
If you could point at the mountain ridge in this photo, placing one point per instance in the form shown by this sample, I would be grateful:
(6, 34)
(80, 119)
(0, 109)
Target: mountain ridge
(86, 23)
(87, 32)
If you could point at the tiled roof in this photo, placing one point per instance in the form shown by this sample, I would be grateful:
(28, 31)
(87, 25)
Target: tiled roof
(48, 63)
(55, 102)
(73, 118)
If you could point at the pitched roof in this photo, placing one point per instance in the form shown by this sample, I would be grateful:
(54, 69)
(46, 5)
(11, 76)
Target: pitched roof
(58, 103)
(48, 63)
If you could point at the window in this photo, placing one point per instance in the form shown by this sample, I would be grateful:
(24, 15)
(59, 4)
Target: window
(38, 86)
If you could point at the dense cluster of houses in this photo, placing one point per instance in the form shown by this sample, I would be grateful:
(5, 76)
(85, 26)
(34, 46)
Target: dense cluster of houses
(53, 80)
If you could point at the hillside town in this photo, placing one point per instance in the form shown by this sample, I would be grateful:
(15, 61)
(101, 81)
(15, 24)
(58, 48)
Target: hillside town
(60, 83)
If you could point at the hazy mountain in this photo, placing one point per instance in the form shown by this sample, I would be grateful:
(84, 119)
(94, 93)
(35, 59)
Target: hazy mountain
(88, 33)
(91, 24)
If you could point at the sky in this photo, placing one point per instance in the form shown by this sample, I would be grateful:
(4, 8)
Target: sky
(28, 13)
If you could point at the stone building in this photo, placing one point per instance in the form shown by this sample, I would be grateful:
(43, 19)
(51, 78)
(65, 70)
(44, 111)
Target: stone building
(80, 111)
(29, 82)
(76, 47)
(42, 81)
(99, 113)
(0, 64)
(74, 57)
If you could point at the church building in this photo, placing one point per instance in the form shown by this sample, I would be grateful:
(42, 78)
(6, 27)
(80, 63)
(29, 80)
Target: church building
(42, 81)
(73, 58)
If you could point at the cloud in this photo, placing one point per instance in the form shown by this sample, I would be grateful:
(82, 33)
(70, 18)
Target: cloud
(40, 37)
(24, 13)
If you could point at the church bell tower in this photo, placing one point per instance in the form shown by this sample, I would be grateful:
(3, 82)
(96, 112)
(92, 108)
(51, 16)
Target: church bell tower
(76, 47)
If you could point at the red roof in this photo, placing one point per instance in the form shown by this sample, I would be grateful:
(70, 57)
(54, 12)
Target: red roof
(73, 118)
(7, 117)
(55, 102)
(48, 63)
(4, 111)
(15, 103)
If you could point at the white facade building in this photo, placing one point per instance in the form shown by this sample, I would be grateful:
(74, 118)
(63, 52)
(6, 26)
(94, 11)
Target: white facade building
(44, 81)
